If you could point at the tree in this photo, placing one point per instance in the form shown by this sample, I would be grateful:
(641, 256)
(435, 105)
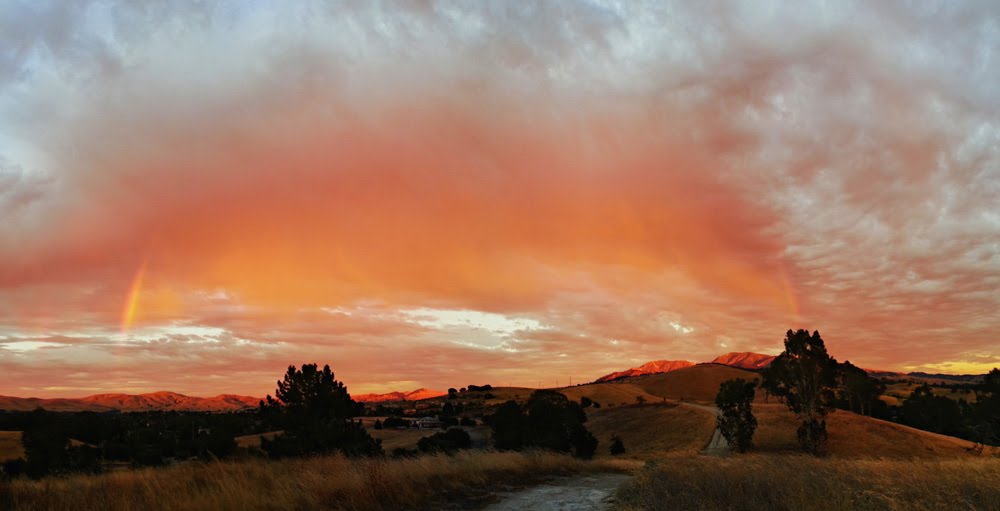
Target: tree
(856, 391)
(617, 446)
(930, 412)
(378, 424)
(804, 378)
(549, 420)
(315, 412)
(735, 420)
(640, 400)
(586, 402)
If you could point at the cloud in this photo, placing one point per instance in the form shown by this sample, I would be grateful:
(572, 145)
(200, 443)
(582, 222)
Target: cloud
(608, 171)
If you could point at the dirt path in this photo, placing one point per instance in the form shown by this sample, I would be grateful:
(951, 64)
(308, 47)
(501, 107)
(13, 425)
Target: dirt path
(718, 446)
(584, 492)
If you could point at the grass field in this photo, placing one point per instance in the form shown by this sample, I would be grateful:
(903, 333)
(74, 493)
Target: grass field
(609, 393)
(330, 482)
(767, 481)
(10, 445)
(651, 430)
(901, 391)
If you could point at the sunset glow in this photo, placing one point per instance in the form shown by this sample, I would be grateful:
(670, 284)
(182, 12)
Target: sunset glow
(441, 194)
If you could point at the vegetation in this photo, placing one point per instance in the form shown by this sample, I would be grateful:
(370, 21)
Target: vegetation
(448, 441)
(617, 446)
(331, 482)
(804, 376)
(549, 420)
(736, 421)
(801, 482)
(315, 412)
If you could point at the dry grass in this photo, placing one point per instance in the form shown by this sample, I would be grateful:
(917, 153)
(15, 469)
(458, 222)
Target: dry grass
(609, 393)
(331, 482)
(252, 441)
(10, 445)
(901, 391)
(405, 438)
(754, 482)
(855, 436)
(696, 383)
(652, 430)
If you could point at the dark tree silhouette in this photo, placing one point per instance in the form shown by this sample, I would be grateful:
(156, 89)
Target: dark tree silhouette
(804, 377)
(549, 420)
(315, 412)
(735, 420)
(856, 391)
(640, 400)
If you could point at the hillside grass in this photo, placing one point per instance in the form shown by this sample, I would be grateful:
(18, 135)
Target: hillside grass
(785, 482)
(607, 394)
(651, 430)
(696, 383)
(329, 482)
(10, 445)
(855, 436)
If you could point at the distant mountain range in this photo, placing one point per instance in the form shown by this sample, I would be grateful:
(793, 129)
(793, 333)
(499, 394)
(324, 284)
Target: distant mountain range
(413, 395)
(132, 403)
(757, 361)
(742, 360)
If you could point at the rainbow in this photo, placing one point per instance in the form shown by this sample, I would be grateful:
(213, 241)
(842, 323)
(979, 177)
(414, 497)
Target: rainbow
(132, 298)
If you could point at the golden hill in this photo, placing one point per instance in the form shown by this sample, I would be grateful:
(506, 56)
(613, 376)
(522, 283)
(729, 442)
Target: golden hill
(695, 383)
(856, 436)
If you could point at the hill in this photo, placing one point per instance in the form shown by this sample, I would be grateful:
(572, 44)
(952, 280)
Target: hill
(744, 360)
(609, 394)
(656, 366)
(132, 403)
(652, 430)
(696, 383)
(855, 436)
(413, 395)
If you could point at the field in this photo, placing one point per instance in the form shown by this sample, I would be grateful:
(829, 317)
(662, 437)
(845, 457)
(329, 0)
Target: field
(330, 482)
(10, 445)
(652, 430)
(902, 390)
(753, 482)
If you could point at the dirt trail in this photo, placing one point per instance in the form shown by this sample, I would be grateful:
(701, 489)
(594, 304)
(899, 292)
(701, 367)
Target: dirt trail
(718, 446)
(588, 492)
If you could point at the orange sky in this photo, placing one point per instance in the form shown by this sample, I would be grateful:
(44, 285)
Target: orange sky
(447, 195)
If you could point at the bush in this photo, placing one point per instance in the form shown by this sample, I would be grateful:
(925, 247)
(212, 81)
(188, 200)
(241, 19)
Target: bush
(617, 446)
(447, 441)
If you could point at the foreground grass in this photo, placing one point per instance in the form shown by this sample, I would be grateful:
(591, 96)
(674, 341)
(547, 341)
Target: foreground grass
(331, 482)
(782, 482)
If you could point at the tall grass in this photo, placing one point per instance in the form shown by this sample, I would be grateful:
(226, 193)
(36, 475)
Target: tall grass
(330, 482)
(787, 482)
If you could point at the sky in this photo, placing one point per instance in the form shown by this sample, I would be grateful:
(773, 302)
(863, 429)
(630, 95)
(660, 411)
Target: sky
(195, 195)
